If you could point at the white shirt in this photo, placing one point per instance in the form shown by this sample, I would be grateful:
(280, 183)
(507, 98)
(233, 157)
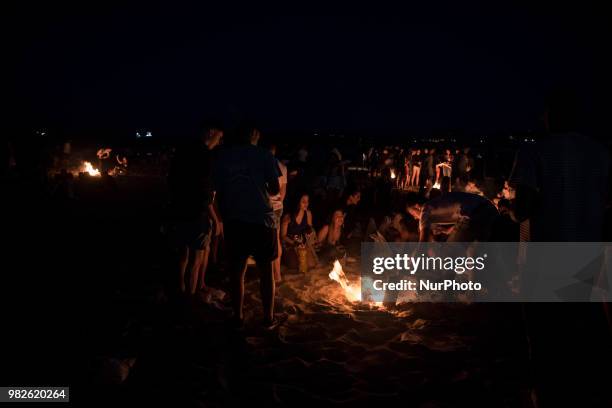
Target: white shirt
(277, 202)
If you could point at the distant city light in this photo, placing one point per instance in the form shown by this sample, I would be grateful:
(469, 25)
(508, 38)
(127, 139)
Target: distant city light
(148, 134)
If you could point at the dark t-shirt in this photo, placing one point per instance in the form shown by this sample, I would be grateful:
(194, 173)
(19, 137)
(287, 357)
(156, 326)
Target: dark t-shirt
(190, 181)
(241, 174)
(570, 173)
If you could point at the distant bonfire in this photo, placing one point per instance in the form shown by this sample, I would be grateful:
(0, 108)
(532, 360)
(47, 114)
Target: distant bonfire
(86, 167)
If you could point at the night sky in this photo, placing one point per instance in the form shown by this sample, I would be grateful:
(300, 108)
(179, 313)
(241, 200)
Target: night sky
(167, 67)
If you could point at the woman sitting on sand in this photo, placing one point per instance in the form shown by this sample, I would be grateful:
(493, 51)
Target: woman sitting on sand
(295, 228)
(329, 238)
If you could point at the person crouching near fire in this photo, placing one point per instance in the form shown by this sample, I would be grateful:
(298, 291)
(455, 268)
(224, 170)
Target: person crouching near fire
(455, 217)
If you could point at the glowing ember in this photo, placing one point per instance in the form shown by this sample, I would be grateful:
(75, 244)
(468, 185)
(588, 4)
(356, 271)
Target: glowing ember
(351, 291)
(88, 168)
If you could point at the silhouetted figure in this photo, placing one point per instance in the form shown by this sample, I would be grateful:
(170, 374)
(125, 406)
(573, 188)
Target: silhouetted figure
(561, 186)
(245, 178)
(191, 207)
(561, 182)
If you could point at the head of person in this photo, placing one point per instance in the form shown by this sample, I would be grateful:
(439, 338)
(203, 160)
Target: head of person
(466, 150)
(212, 134)
(249, 133)
(302, 203)
(414, 210)
(432, 151)
(408, 230)
(337, 218)
(273, 149)
(562, 112)
(425, 151)
(353, 196)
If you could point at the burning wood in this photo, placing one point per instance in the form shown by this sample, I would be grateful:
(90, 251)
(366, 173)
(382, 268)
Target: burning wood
(351, 291)
(91, 170)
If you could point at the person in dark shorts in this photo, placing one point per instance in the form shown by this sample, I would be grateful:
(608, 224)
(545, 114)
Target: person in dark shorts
(245, 177)
(192, 215)
(561, 186)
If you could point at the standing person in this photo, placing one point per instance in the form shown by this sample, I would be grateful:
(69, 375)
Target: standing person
(416, 168)
(407, 168)
(561, 187)
(302, 157)
(245, 176)
(429, 168)
(277, 206)
(191, 206)
(444, 171)
(464, 167)
(335, 176)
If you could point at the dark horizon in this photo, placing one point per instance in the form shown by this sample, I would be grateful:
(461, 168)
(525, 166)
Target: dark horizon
(121, 69)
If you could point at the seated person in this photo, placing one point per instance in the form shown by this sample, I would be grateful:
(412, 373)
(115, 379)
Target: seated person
(351, 216)
(296, 226)
(456, 217)
(330, 236)
(398, 228)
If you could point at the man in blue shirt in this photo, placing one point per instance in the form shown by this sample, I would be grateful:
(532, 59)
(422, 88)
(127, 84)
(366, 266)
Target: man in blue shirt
(245, 176)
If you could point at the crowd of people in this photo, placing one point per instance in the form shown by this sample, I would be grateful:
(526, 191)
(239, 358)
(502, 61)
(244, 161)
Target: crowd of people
(235, 198)
(240, 199)
(416, 168)
(282, 212)
(285, 213)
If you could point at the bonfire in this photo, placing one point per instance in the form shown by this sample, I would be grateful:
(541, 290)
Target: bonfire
(352, 291)
(89, 169)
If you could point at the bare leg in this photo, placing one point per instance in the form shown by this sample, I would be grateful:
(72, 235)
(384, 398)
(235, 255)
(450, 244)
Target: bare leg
(204, 266)
(183, 258)
(238, 270)
(214, 248)
(276, 264)
(415, 176)
(266, 287)
(194, 270)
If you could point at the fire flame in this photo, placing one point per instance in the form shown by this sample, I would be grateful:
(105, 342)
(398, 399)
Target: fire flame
(88, 168)
(436, 186)
(392, 173)
(351, 291)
